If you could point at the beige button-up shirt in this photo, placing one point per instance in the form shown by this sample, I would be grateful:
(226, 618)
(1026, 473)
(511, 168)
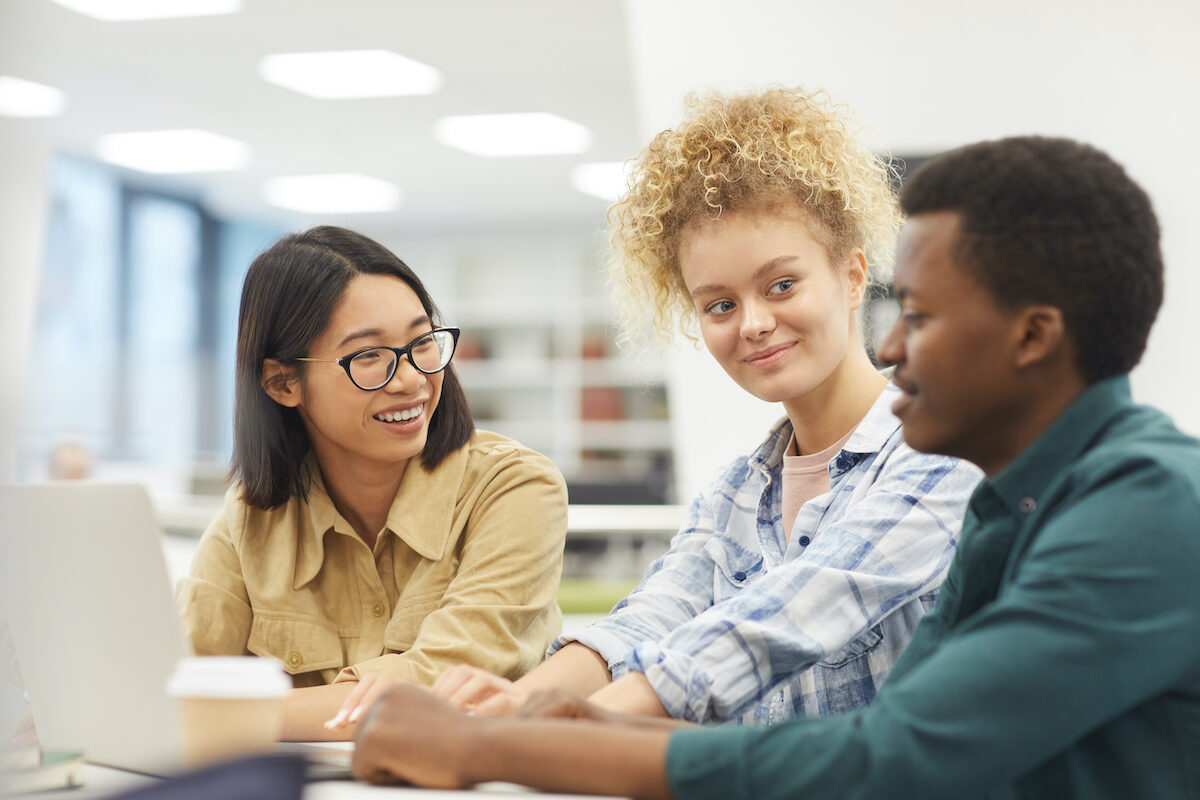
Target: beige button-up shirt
(466, 571)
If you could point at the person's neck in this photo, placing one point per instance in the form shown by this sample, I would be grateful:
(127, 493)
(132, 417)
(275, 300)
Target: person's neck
(1045, 396)
(363, 494)
(829, 411)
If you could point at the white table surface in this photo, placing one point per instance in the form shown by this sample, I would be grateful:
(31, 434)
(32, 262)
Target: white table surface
(103, 782)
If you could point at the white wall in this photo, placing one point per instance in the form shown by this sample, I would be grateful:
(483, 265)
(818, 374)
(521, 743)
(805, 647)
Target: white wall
(25, 169)
(934, 74)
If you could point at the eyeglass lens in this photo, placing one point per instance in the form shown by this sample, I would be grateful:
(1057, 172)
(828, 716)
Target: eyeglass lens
(373, 368)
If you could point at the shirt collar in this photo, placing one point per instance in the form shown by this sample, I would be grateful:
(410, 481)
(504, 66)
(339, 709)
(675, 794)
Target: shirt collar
(1022, 483)
(421, 514)
(870, 435)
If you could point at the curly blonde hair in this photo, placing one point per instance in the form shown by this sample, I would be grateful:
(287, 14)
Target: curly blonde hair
(745, 152)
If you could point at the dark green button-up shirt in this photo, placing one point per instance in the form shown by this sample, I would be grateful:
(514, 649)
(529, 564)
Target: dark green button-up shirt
(1061, 661)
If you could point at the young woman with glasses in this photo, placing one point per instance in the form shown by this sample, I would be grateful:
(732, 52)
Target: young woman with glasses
(372, 533)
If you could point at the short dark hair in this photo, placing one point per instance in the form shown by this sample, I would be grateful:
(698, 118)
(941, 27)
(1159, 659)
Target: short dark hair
(288, 297)
(1054, 221)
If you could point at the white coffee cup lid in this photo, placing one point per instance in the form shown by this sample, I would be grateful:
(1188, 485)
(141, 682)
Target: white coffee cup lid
(228, 677)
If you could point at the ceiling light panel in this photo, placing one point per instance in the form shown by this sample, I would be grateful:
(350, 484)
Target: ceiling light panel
(341, 193)
(129, 10)
(344, 74)
(21, 98)
(607, 180)
(532, 134)
(174, 151)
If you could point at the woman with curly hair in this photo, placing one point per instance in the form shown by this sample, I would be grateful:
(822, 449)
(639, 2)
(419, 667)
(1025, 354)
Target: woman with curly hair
(804, 567)
(1061, 659)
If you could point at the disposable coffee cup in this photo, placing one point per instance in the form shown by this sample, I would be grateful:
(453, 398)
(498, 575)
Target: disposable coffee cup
(229, 706)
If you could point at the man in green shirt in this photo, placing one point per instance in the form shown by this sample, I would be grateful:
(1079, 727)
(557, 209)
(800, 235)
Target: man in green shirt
(1063, 657)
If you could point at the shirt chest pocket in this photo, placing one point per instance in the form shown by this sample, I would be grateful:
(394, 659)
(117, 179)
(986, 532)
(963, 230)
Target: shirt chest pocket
(735, 567)
(302, 645)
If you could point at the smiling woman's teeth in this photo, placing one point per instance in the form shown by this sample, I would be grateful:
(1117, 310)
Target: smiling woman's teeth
(401, 416)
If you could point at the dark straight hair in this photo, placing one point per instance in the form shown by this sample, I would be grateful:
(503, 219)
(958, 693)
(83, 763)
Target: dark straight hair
(288, 297)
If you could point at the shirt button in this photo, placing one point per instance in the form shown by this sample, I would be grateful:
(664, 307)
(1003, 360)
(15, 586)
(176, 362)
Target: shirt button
(1027, 505)
(377, 610)
(804, 541)
(739, 576)
(295, 660)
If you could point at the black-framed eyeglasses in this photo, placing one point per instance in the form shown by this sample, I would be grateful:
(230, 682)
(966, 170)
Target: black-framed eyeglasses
(372, 367)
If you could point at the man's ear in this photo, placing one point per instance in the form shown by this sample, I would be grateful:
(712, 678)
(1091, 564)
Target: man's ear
(1042, 336)
(281, 383)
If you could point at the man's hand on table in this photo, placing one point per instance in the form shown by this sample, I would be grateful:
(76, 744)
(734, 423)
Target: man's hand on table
(409, 735)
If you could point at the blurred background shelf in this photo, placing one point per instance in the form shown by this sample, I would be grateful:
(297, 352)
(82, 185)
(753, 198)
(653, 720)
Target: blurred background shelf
(539, 363)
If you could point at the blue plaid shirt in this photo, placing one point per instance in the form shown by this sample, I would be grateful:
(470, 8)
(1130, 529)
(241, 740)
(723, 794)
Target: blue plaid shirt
(736, 621)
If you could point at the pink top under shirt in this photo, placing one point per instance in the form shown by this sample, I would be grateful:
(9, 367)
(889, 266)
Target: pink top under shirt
(805, 477)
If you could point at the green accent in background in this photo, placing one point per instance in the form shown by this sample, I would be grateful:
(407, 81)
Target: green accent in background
(590, 596)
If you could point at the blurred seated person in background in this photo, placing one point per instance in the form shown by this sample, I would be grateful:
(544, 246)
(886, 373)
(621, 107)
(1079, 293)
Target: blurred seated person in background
(69, 461)
(371, 529)
(1063, 657)
(802, 570)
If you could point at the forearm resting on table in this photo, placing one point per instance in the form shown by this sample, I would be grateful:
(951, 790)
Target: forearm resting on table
(414, 738)
(631, 694)
(305, 712)
(573, 756)
(580, 670)
(575, 668)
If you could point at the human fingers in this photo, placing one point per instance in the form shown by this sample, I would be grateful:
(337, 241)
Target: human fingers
(374, 689)
(360, 697)
(501, 704)
(453, 679)
(480, 689)
(559, 703)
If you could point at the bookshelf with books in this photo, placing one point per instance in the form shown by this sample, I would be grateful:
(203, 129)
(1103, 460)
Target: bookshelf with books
(539, 362)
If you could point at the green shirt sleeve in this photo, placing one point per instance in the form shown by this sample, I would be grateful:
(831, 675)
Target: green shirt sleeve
(1100, 621)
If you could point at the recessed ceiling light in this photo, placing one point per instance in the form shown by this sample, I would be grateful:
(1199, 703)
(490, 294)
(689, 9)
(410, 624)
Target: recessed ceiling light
(20, 98)
(173, 151)
(350, 73)
(607, 180)
(531, 134)
(343, 193)
(128, 10)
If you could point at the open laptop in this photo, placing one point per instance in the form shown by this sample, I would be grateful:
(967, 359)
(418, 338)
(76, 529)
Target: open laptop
(90, 607)
(85, 587)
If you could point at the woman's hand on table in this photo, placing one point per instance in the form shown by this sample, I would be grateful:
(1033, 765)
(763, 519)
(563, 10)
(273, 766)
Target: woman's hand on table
(559, 703)
(370, 686)
(477, 691)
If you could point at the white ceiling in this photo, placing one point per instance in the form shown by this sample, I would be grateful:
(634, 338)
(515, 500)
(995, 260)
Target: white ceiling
(568, 57)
